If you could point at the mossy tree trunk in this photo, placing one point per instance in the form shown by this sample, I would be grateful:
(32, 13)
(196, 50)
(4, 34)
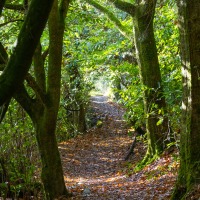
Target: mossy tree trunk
(43, 109)
(154, 101)
(189, 172)
(142, 13)
(52, 172)
(20, 60)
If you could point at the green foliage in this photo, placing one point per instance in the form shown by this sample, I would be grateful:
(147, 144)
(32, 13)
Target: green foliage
(10, 23)
(92, 39)
(99, 123)
(167, 37)
(90, 44)
(75, 94)
(17, 142)
(166, 34)
(131, 94)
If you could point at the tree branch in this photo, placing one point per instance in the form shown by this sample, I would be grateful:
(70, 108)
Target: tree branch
(39, 71)
(131, 150)
(3, 110)
(27, 103)
(56, 25)
(63, 8)
(38, 91)
(124, 6)
(18, 7)
(20, 61)
(45, 54)
(11, 21)
(124, 31)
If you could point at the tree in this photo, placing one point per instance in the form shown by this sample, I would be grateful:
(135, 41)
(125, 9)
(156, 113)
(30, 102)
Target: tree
(154, 102)
(189, 173)
(43, 108)
(20, 61)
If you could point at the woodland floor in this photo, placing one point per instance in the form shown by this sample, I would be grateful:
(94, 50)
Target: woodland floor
(94, 163)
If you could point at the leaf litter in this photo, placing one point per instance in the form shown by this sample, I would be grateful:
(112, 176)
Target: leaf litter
(94, 165)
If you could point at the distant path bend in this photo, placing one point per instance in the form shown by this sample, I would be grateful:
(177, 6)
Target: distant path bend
(104, 105)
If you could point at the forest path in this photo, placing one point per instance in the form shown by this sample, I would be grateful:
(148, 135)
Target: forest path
(94, 165)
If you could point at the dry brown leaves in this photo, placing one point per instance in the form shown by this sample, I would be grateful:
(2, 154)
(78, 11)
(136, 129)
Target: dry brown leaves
(94, 165)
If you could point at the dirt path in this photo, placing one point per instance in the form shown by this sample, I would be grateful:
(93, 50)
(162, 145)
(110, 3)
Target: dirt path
(94, 163)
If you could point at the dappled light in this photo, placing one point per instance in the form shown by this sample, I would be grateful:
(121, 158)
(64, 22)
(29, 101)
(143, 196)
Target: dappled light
(94, 165)
(99, 114)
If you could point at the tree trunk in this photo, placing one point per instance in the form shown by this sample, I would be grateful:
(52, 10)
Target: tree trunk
(44, 109)
(20, 61)
(142, 12)
(154, 102)
(189, 172)
(52, 172)
(82, 123)
(78, 115)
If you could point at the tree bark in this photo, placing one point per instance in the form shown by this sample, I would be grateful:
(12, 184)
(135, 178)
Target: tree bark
(154, 102)
(52, 172)
(44, 109)
(189, 172)
(77, 106)
(20, 61)
(39, 70)
(82, 123)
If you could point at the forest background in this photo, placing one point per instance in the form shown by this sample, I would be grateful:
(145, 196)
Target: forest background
(87, 48)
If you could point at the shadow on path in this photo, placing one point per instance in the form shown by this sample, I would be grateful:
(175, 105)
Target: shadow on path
(93, 163)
